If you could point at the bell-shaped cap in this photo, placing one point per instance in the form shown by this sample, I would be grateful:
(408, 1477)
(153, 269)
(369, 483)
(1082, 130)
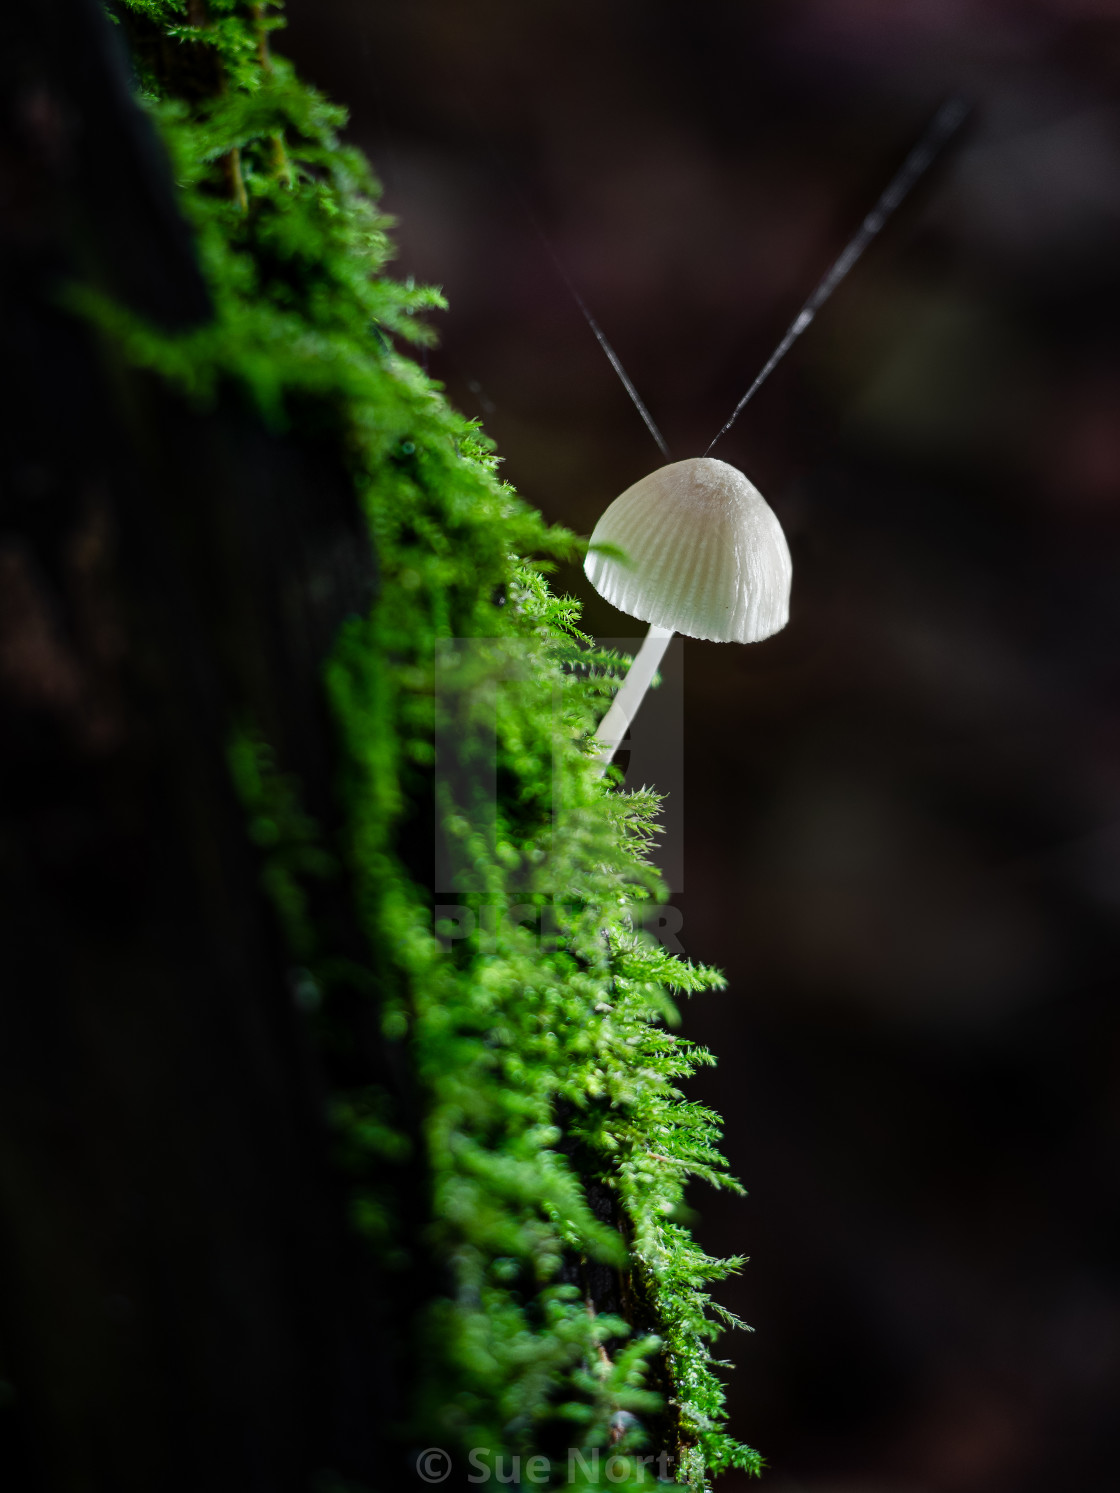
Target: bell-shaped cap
(702, 554)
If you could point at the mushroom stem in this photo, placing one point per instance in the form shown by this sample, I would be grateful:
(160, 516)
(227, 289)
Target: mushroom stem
(624, 707)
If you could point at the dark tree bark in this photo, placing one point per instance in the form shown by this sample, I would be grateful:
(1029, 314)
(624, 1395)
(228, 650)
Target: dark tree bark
(180, 1305)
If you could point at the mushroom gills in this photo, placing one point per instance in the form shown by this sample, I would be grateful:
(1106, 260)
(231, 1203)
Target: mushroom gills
(694, 547)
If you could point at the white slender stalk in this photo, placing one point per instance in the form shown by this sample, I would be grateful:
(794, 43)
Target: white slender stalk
(624, 707)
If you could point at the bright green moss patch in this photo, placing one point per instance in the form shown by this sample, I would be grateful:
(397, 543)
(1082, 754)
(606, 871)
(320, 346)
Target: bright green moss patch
(534, 1020)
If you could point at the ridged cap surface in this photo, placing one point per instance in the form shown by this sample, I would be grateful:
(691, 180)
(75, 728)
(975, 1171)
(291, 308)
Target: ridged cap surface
(706, 554)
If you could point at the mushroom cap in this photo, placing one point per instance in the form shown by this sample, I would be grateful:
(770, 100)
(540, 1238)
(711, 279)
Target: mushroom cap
(705, 554)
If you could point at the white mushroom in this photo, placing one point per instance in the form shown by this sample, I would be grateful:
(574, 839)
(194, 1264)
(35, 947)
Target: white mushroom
(692, 548)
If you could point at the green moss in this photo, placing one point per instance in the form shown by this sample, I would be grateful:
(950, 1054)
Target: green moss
(541, 1044)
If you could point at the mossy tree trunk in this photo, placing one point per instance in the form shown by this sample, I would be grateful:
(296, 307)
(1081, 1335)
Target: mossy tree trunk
(244, 1247)
(181, 1306)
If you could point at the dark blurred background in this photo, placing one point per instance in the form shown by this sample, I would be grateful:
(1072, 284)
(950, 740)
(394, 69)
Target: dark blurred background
(903, 814)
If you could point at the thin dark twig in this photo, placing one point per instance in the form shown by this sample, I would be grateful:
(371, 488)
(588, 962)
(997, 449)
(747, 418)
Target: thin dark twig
(600, 337)
(944, 124)
(597, 331)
